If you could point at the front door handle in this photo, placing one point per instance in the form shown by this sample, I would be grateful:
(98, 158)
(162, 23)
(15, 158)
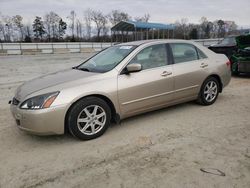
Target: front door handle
(203, 65)
(166, 73)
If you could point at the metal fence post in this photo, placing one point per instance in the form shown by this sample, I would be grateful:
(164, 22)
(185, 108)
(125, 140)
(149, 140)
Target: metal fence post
(21, 48)
(52, 47)
(67, 48)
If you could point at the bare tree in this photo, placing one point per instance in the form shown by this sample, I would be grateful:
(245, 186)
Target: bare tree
(100, 21)
(182, 29)
(2, 31)
(47, 25)
(231, 27)
(117, 16)
(78, 29)
(105, 28)
(87, 22)
(144, 18)
(221, 28)
(203, 26)
(183, 25)
(72, 18)
(17, 21)
(52, 22)
(6, 27)
(27, 33)
(55, 19)
(206, 27)
(9, 27)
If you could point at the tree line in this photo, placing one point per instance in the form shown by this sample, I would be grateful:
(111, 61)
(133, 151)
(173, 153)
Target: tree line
(94, 25)
(205, 29)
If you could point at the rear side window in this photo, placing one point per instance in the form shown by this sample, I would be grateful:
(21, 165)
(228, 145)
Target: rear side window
(184, 52)
(201, 54)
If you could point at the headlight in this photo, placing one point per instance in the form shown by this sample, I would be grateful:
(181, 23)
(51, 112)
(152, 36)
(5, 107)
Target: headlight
(39, 102)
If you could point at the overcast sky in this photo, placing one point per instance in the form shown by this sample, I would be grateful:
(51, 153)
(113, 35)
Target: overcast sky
(165, 11)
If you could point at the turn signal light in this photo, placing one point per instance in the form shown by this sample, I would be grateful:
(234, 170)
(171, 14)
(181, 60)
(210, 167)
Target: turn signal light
(49, 102)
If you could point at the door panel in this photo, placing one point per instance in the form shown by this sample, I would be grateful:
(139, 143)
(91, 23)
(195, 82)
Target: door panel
(141, 91)
(189, 70)
(188, 78)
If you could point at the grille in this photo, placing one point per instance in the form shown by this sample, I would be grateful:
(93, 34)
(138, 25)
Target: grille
(15, 101)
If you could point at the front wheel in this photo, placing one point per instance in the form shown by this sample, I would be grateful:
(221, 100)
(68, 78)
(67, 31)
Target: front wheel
(89, 118)
(209, 91)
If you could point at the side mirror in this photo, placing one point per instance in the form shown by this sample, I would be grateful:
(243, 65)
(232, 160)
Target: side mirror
(134, 67)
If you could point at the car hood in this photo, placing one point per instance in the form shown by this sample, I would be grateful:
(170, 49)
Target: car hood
(50, 80)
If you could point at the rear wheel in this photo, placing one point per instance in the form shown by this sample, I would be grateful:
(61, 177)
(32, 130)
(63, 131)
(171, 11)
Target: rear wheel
(89, 118)
(209, 91)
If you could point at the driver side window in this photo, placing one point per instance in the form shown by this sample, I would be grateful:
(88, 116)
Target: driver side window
(151, 57)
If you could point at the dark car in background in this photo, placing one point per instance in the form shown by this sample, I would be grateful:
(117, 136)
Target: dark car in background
(240, 60)
(227, 46)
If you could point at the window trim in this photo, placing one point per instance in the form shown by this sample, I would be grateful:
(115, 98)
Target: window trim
(198, 53)
(198, 58)
(171, 55)
(168, 53)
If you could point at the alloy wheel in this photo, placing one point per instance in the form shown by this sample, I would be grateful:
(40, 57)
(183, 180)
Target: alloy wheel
(91, 119)
(210, 91)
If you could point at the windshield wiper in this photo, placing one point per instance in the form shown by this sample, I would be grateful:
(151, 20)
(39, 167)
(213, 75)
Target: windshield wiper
(82, 69)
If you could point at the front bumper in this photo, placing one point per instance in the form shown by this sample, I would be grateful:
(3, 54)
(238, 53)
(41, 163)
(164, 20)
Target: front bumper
(47, 121)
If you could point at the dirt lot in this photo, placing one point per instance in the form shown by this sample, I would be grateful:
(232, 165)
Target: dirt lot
(166, 148)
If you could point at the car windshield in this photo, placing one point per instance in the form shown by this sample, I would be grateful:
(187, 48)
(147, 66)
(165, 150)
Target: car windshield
(228, 41)
(107, 59)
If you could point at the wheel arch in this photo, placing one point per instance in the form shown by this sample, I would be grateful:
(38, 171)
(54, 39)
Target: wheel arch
(115, 117)
(216, 76)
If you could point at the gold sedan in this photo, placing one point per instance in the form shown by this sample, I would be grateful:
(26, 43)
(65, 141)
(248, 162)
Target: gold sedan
(118, 82)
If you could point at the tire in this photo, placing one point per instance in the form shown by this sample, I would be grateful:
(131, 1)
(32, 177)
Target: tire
(209, 91)
(89, 118)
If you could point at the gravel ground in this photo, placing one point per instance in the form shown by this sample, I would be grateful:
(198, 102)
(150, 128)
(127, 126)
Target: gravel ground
(165, 148)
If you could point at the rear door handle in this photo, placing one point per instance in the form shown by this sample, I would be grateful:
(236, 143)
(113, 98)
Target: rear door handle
(203, 65)
(166, 73)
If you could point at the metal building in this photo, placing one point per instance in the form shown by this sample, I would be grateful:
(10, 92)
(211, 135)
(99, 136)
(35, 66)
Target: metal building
(131, 30)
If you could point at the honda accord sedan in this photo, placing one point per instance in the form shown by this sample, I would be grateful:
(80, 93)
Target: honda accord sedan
(121, 81)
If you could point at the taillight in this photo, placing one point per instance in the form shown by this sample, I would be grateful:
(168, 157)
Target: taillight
(228, 63)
